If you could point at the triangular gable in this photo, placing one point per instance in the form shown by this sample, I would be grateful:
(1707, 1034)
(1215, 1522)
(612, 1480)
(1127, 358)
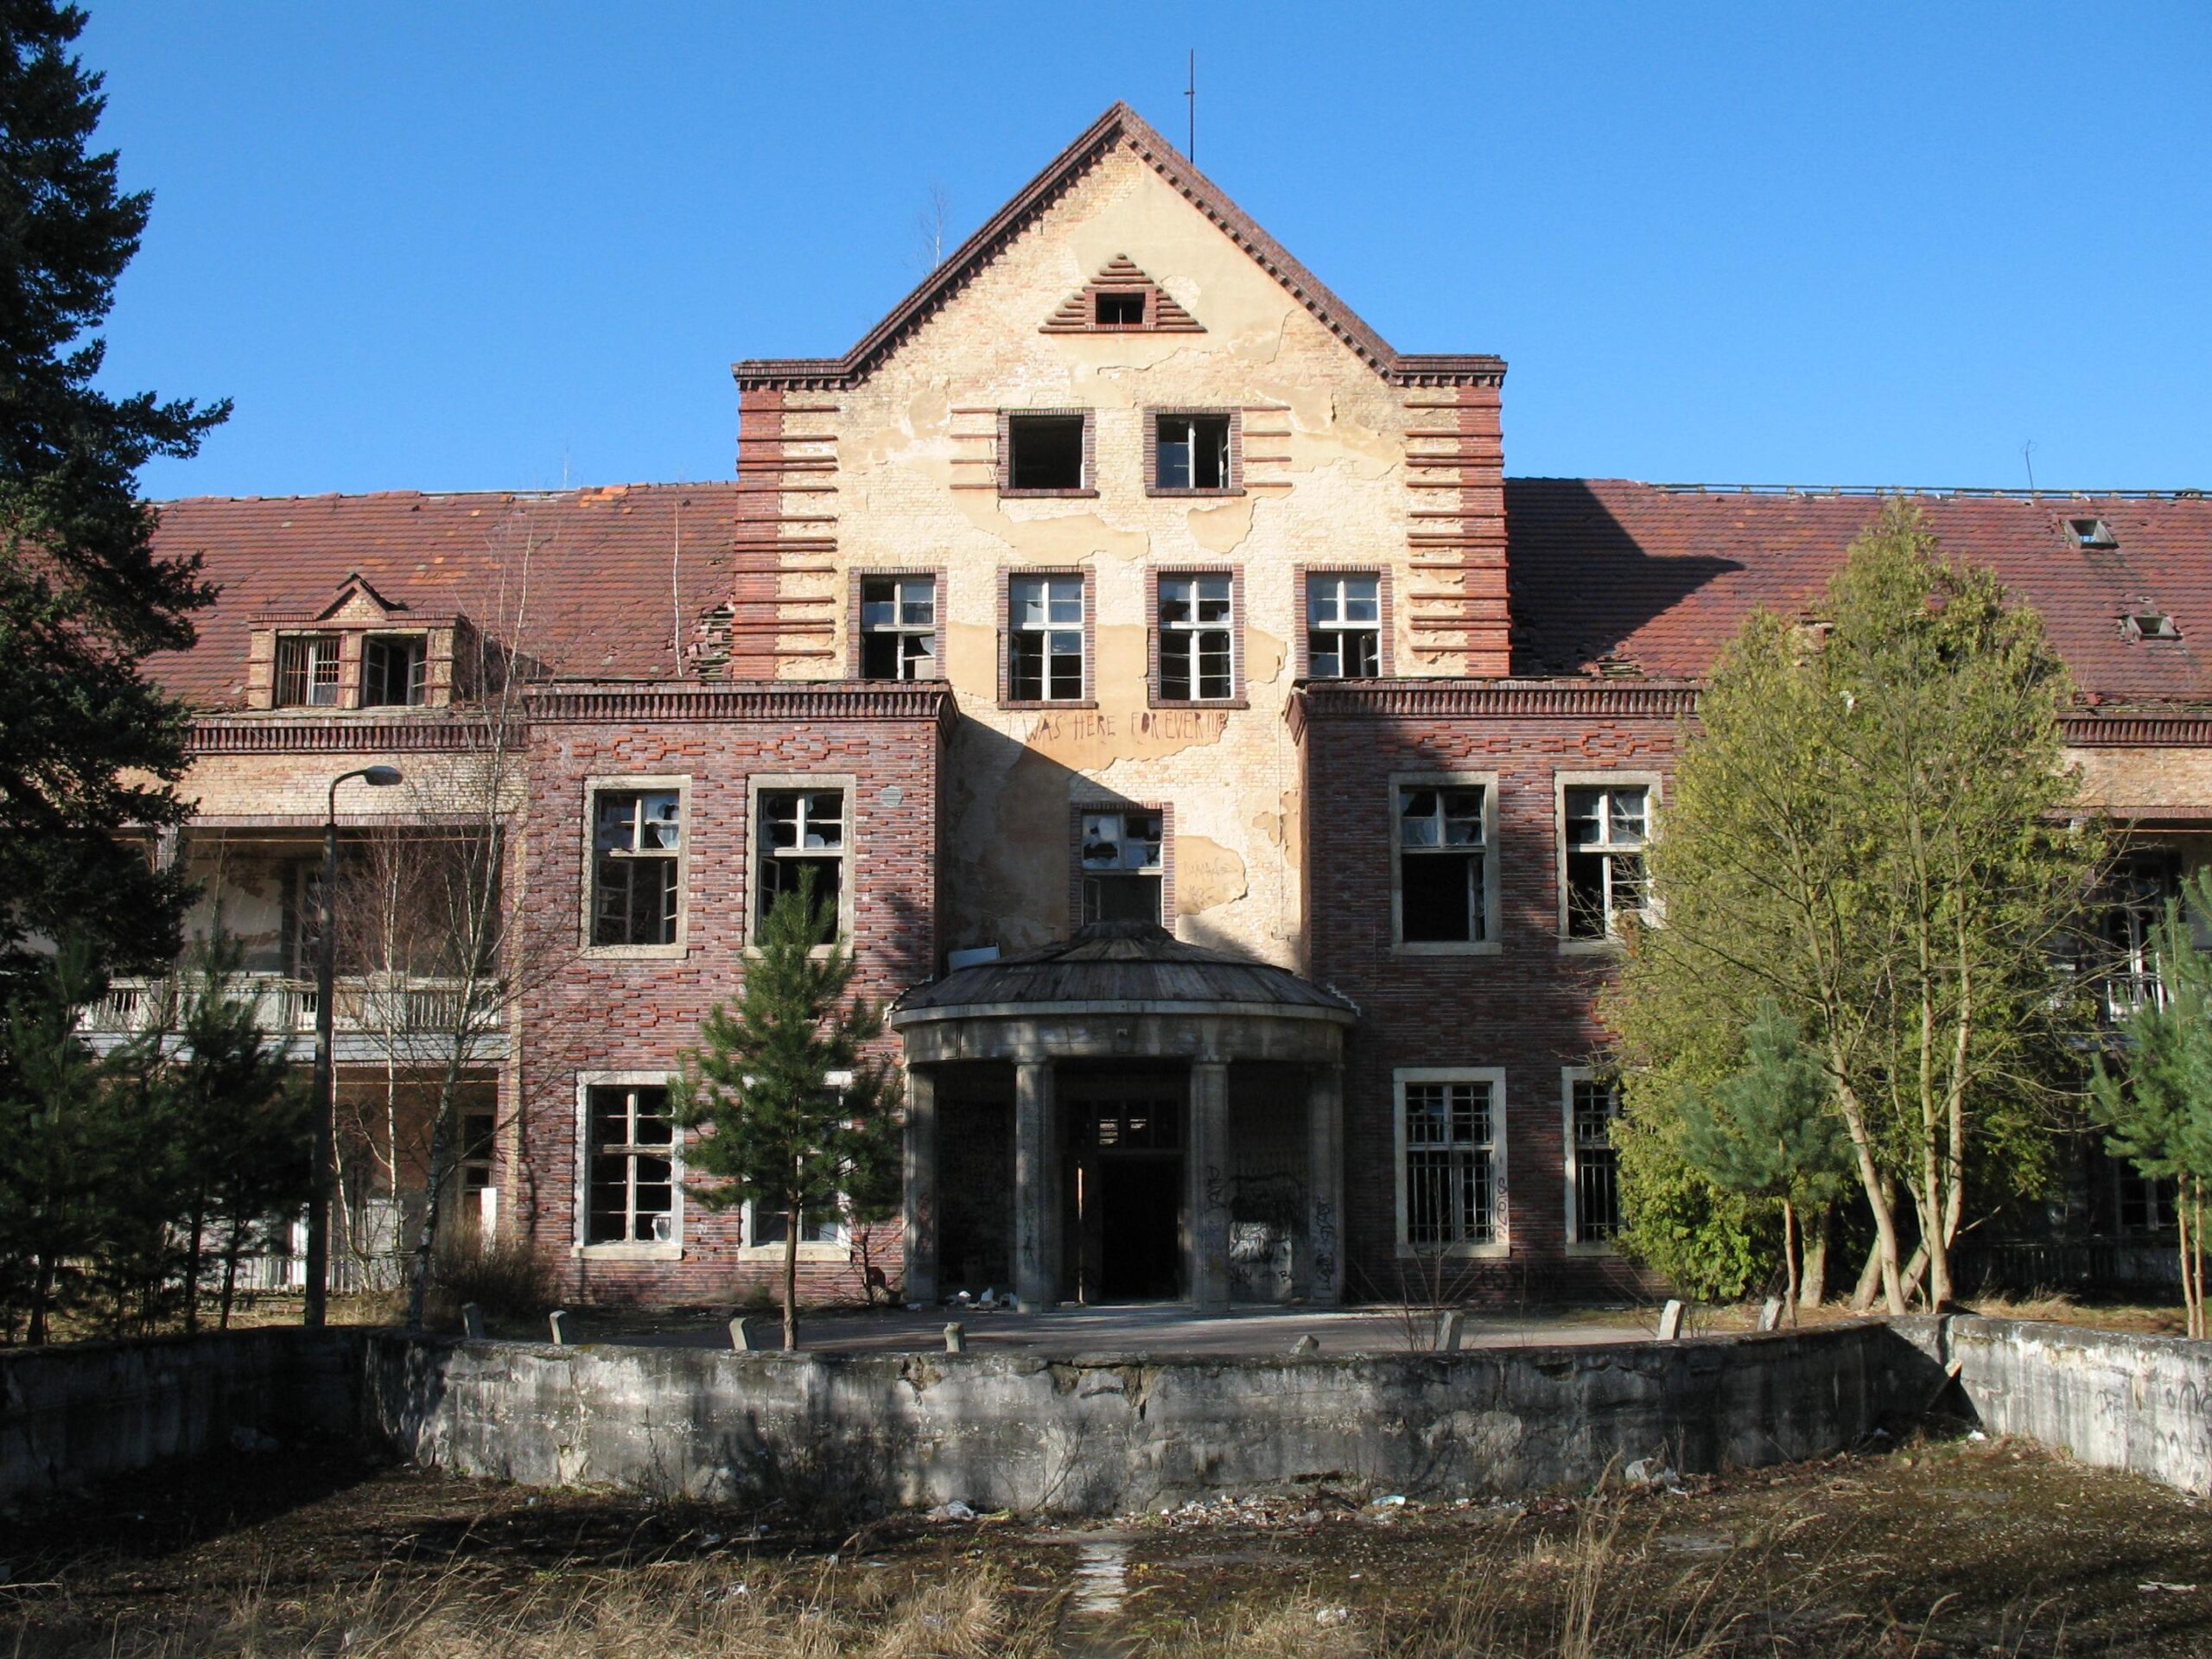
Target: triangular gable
(1158, 312)
(1120, 124)
(357, 601)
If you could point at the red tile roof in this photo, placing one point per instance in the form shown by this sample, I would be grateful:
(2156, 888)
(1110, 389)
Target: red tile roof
(1660, 577)
(609, 571)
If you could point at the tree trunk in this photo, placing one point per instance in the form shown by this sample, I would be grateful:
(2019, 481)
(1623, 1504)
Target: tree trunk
(1870, 1280)
(1789, 1258)
(194, 1256)
(434, 1181)
(790, 1278)
(1877, 1188)
(42, 1295)
(1814, 1289)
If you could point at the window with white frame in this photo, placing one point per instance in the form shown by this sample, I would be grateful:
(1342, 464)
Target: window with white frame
(1122, 866)
(1193, 452)
(1196, 639)
(1344, 625)
(394, 669)
(632, 1165)
(1449, 1158)
(898, 627)
(637, 865)
(767, 1229)
(306, 670)
(1593, 1180)
(1607, 826)
(1045, 640)
(1441, 831)
(801, 831)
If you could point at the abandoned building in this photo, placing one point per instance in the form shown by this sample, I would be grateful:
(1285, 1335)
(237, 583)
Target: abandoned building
(1229, 777)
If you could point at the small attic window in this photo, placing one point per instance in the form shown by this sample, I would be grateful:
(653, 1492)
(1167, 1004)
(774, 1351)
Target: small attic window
(1118, 308)
(2091, 533)
(2150, 624)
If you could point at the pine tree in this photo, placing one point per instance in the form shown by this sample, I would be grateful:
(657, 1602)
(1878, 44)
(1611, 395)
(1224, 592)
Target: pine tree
(2158, 1106)
(1770, 1131)
(779, 1133)
(89, 747)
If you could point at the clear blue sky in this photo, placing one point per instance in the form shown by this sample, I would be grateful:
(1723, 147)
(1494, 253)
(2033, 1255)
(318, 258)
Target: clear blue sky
(483, 246)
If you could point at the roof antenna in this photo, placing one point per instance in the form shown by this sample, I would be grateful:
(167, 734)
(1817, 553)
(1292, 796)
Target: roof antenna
(1191, 97)
(2028, 456)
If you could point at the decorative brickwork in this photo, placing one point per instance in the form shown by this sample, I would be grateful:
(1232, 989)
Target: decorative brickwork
(1158, 311)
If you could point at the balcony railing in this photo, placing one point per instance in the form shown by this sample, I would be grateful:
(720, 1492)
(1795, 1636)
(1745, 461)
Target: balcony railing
(367, 1005)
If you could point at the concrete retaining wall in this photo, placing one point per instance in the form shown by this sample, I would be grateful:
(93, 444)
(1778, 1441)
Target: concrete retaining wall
(73, 1413)
(2116, 1400)
(1111, 1434)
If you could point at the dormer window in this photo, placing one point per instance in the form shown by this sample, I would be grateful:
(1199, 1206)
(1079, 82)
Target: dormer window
(2091, 533)
(393, 670)
(2151, 623)
(306, 670)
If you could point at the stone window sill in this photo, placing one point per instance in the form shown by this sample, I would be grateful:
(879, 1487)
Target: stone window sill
(628, 1252)
(1457, 1253)
(1449, 948)
(1006, 494)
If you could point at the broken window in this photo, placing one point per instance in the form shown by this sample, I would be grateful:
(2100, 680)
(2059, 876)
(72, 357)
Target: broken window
(1118, 307)
(636, 848)
(306, 670)
(1121, 866)
(2091, 533)
(1196, 631)
(393, 670)
(2151, 623)
(1606, 830)
(2134, 903)
(801, 829)
(632, 1143)
(1343, 627)
(1044, 452)
(1449, 1130)
(1192, 451)
(898, 628)
(2142, 1204)
(1593, 1106)
(1045, 640)
(768, 1227)
(476, 1143)
(1443, 866)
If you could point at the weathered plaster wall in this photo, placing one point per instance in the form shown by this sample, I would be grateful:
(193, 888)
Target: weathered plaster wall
(908, 460)
(1097, 1435)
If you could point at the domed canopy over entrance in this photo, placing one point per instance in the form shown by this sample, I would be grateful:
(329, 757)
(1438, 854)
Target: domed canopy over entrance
(1167, 1120)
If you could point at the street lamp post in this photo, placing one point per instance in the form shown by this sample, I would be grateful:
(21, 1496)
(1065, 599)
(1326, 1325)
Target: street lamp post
(326, 1075)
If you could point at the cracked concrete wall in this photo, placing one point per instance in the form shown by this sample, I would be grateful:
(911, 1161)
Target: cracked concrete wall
(1104, 1435)
(914, 450)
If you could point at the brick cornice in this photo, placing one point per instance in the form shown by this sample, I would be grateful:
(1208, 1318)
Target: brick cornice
(262, 734)
(1496, 699)
(785, 702)
(2170, 731)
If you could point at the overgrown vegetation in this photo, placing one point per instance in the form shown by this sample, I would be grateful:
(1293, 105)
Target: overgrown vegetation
(1871, 832)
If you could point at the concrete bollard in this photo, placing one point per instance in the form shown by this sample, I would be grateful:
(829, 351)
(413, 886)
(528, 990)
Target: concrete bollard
(1770, 1315)
(956, 1338)
(741, 1337)
(557, 1320)
(472, 1322)
(1448, 1331)
(1670, 1321)
(1308, 1343)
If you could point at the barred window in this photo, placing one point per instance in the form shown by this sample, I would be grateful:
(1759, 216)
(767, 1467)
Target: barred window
(1196, 631)
(1595, 1171)
(1449, 1137)
(801, 829)
(1343, 627)
(636, 843)
(1605, 831)
(306, 670)
(631, 1140)
(1045, 640)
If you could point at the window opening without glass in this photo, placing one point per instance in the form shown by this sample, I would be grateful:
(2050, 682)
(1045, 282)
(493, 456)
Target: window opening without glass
(1118, 308)
(898, 628)
(801, 831)
(1442, 865)
(306, 670)
(1597, 1163)
(1343, 627)
(2091, 533)
(1044, 638)
(1120, 855)
(1451, 1163)
(1606, 830)
(1196, 657)
(1192, 451)
(392, 672)
(633, 1150)
(1044, 452)
(636, 842)
(772, 1227)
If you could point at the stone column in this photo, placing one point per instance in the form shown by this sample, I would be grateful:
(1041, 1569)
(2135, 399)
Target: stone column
(1325, 1183)
(1208, 1265)
(1036, 1187)
(921, 1237)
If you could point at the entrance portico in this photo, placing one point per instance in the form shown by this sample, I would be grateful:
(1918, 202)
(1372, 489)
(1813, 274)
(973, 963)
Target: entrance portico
(1109, 1036)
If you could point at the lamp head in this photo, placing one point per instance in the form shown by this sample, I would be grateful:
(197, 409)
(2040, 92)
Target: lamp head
(380, 777)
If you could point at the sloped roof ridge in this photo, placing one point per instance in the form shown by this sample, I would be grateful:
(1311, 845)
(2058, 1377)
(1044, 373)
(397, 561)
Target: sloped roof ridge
(1119, 122)
(1971, 491)
(574, 492)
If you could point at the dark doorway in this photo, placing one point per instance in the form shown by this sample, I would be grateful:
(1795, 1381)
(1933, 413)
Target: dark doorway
(1129, 1197)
